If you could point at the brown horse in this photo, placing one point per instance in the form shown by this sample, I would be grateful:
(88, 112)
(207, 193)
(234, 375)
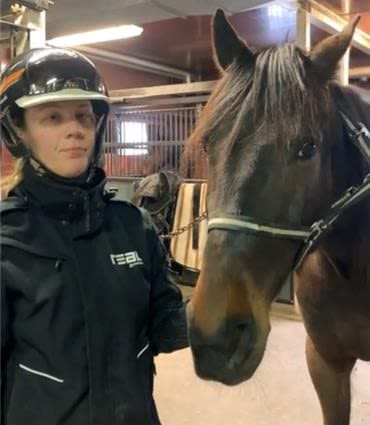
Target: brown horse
(284, 142)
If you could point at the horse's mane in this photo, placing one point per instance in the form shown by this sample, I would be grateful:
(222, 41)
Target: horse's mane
(359, 103)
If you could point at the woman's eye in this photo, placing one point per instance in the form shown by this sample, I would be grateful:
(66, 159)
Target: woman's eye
(307, 151)
(87, 119)
(52, 117)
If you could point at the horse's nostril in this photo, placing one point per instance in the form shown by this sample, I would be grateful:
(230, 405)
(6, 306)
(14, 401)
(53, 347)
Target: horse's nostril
(242, 342)
(241, 327)
(236, 335)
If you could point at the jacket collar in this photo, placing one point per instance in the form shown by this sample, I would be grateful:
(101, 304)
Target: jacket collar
(70, 201)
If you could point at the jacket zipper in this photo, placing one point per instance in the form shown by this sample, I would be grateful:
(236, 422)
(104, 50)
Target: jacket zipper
(87, 211)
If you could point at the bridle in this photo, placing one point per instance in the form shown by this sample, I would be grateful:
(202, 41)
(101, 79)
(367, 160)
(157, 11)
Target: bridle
(309, 235)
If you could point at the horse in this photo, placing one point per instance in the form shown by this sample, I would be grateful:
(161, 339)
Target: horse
(288, 168)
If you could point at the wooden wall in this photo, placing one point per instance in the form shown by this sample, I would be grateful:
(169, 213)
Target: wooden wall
(117, 77)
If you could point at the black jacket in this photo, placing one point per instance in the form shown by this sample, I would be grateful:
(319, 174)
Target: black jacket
(86, 303)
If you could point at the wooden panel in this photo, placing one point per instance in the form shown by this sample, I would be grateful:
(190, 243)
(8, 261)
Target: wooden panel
(118, 77)
(177, 42)
(182, 246)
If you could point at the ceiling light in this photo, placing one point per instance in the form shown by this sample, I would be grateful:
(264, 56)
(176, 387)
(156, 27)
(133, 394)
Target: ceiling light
(97, 36)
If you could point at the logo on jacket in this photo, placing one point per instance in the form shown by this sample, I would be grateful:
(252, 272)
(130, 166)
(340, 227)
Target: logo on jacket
(130, 259)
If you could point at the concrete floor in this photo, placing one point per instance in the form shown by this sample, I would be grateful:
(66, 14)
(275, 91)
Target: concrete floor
(280, 393)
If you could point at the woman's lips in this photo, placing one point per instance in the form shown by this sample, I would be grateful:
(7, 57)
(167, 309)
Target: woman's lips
(74, 152)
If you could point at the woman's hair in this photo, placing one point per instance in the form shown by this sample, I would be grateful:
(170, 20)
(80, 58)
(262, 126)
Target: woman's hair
(9, 181)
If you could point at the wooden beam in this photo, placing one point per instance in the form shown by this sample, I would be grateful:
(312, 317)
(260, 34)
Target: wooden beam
(121, 96)
(360, 71)
(303, 25)
(327, 20)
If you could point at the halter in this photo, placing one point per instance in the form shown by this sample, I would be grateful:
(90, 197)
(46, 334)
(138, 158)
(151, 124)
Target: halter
(309, 235)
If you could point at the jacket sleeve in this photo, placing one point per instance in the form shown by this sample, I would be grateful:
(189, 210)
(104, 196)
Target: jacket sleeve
(4, 338)
(167, 326)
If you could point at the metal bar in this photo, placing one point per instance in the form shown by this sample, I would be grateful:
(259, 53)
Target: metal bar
(13, 51)
(140, 144)
(159, 130)
(119, 110)
(35, 5)
(9, 15)
(166, 116)
(161, 102)
(168, 152)
(344, 63)
(329, 21)
(127, 60)
(132, 179)
(303, 26)
(177, 137)
(5, 40)
(159, 91)
(17, 26)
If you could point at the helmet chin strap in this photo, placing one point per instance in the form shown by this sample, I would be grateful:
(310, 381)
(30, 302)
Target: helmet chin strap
(100, 129)
(42, 170)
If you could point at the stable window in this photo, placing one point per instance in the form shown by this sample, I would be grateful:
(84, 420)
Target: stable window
(134, 138)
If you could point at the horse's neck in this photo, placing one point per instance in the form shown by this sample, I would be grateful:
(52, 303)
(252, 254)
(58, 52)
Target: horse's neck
(348, 245)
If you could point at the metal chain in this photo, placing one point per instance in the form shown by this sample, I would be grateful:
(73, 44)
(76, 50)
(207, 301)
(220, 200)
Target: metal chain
(184, 229)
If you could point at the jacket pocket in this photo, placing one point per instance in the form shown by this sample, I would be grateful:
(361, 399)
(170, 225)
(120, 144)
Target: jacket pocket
(41, 374)
(145, 362)
(37, 397)
(146, 369)
(143, 349)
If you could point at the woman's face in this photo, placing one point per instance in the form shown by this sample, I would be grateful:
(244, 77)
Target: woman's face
(61, 135)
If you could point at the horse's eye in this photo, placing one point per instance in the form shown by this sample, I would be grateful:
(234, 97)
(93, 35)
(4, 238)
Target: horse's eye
(307, 151)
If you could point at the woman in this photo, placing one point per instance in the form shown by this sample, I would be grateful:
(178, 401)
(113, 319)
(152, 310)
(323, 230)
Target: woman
(86, 300)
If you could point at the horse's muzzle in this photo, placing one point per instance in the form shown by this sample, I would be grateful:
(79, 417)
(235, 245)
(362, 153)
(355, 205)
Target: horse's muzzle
(230, 355)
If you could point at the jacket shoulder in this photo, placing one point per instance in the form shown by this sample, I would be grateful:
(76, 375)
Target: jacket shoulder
(132, 213)
(129, 208)
(123, 204)
(11, 205)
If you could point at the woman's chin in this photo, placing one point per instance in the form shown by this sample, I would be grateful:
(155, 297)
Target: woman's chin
(75, 168)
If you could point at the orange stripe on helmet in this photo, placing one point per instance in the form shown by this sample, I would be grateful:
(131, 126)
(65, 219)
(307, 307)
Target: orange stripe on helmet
(11, 79)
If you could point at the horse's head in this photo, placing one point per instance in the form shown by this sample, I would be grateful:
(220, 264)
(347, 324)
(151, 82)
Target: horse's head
(271, 131)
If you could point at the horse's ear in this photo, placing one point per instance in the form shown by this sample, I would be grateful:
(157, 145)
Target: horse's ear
(326, 55)
(227, 46)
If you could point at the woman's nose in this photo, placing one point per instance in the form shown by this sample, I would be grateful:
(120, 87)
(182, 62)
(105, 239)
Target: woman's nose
(75, 129)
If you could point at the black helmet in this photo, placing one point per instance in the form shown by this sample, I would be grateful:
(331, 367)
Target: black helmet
(49, 75)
